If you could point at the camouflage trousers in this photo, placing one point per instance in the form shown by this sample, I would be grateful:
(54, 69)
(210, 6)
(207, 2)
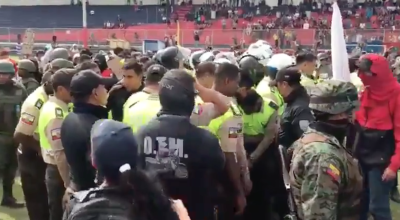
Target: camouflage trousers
(33, 169)
(55, 192)
(8, 163)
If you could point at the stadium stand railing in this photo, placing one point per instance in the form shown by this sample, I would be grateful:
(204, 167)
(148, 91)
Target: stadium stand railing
(214, 37)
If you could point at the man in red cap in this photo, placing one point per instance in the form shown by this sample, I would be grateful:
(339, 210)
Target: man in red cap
(378, 126)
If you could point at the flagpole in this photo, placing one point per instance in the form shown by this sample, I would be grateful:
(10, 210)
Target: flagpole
(84, 25)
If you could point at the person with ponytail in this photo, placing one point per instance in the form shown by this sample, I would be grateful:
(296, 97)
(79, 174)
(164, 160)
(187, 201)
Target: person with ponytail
(127, 192)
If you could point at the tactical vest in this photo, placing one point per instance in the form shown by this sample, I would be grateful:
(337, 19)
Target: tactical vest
(10, 108)
(50, 111)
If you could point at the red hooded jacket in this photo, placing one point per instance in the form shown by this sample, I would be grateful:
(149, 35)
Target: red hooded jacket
(380, 103)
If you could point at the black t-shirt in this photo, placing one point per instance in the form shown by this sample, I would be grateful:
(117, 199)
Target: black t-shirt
(186, 158)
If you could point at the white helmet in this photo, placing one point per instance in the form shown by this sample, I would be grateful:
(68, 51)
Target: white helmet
(262, 52)
(280, 61)
(207, 56)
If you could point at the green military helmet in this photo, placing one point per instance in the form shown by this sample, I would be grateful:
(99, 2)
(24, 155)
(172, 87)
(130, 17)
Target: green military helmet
(27, 65)
(61, 63)
(59, 53)
(334, 97)
(6, 67)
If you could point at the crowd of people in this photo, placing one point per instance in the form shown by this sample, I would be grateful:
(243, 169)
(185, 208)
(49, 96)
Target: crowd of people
(205, 135)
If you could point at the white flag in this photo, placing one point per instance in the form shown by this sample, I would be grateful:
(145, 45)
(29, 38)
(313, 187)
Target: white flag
(340, 62)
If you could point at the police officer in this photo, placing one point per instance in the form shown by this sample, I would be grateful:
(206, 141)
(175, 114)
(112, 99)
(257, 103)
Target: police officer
(26, 70)
(141, 107)
(131, 83)
(306, 62)
(228, 129)
(297, 115)
(325, 178)
(276, 63)
(260, 129)
(12, 95)
(50, 120)
(31, 165)
(183, 154)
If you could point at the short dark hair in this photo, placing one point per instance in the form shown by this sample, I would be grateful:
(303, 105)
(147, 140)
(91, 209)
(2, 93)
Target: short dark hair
(84, 58)
(87, 65)
(305, 57)
(134, 65)
(62, 77)
(226, 71)
(205, 67)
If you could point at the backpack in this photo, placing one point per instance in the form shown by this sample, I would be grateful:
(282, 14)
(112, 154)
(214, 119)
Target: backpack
(98, 204)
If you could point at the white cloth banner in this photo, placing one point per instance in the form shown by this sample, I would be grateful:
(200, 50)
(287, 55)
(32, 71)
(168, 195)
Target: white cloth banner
(340, 62)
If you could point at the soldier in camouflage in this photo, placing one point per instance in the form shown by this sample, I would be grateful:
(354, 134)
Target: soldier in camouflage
(325, 178)
(27, 70)
(12, 95)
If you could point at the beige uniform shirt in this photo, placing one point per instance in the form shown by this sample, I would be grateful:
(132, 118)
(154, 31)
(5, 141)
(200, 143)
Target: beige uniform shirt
(30, 112)
(56, 155)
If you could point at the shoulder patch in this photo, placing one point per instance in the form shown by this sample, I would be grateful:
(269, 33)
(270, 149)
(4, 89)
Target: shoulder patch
(39, 103)
(27, 118)
(59, 113)
(55, 134)
(333, 172)
(273, 105)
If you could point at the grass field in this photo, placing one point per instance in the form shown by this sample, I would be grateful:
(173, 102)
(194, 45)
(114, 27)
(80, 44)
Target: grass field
(21, 214)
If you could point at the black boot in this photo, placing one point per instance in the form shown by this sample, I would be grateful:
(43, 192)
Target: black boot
(9, 200)
(394, 195)
(12, 203)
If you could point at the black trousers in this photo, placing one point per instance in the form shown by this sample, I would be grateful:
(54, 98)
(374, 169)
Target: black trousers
(8, 164)
(33, 170)
(55, 190)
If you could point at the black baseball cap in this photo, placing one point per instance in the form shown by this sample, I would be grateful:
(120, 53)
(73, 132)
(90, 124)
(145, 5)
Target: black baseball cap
(114, 148)
(291, 75)
(85, 81)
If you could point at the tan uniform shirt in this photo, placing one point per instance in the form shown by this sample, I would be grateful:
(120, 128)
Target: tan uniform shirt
(56, 155)
(30, 112)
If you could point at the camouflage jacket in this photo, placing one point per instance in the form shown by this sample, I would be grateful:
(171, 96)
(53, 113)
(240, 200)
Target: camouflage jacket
(326, 180)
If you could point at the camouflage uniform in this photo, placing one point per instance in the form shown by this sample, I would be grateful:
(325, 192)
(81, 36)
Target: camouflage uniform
(326, 180)
(12, 95)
